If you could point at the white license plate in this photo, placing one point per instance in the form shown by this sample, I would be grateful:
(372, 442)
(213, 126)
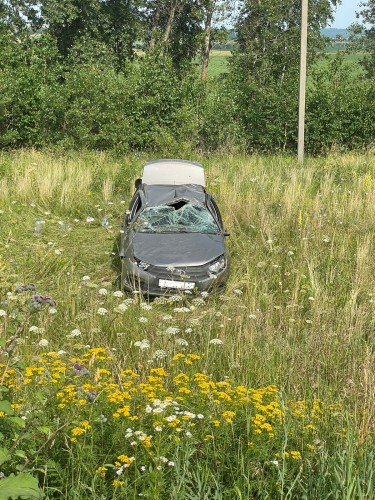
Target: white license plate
(180, 285)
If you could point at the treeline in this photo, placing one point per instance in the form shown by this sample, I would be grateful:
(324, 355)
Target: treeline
(130, 76)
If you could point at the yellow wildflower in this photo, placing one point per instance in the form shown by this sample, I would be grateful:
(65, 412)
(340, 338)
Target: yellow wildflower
(101, 471)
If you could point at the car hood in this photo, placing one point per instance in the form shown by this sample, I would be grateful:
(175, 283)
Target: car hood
(177, 249)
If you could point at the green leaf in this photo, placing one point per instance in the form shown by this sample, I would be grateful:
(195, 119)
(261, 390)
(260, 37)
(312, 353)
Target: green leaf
(4, 455)
(22, 485)
(6, 408)
(41, 397)
(2, 342)
(18, 421)
(44, 429)
(3, 388)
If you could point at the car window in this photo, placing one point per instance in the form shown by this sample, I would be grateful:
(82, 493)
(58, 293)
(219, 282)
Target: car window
(187, 218)
(215, 210)
(135, 206)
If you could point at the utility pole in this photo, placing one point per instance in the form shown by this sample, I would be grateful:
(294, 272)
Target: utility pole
(302, 83)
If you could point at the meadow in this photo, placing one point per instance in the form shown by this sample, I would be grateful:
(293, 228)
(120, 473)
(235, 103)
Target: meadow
(264, 391)
(219, 59)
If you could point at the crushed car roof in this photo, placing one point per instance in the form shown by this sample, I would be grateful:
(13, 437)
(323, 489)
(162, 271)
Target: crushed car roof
(160, 195)
(173, 172)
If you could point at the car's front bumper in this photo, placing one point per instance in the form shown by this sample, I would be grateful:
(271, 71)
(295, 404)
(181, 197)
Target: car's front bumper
(149, 281)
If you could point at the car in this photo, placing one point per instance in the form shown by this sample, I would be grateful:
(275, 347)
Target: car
(173, 238)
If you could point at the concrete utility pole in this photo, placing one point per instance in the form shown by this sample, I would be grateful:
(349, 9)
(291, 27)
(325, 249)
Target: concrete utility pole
(302, 83)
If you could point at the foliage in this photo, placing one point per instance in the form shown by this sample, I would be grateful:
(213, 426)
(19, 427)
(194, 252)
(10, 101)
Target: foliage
(265, 69)
(71, 76)
(337, 109)
(362, 36)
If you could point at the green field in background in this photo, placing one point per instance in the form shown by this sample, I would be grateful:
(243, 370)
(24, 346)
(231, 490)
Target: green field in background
(219, 59)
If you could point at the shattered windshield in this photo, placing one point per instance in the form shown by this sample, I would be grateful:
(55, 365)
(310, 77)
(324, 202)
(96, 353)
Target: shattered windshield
(173, 219)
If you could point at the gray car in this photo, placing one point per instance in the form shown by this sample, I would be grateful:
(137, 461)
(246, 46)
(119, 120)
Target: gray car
(173, 239)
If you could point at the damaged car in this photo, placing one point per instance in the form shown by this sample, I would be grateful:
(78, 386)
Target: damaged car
(173, 237)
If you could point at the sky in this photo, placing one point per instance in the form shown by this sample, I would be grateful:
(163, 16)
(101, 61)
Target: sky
(345, 13)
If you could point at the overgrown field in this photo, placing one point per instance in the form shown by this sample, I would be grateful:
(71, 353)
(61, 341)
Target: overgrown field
(263, 392)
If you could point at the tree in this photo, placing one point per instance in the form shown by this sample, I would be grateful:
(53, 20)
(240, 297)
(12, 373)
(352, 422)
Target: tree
(173, 28)
(362, 36)
(115, 23)
(215, 13)
(265, 70)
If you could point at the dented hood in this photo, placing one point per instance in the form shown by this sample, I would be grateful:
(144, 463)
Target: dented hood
(182, 249)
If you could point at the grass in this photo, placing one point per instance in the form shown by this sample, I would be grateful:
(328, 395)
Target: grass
(280, 366)
(218, 63)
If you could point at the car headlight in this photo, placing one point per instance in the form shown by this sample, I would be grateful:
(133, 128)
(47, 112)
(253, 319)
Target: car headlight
(217, 265)
(142, 265)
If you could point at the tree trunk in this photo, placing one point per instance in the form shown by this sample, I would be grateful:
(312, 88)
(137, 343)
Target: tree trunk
(206, 41)
(154, 26)
(175, 7)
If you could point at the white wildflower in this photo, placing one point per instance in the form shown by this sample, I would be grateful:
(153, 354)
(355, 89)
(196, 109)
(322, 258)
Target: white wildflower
(103, 292)
(2, 312)
(204, 294)
(182, 342)
(188, 330)
(198, 301)
(312, 299)
(118, 293)
(101, 311)
(58, 251)
(33, 329)
(159, 354)
(43, 343)
(86, 278)
(237, 291)
(142, 344)
(167, 317)
(172, 330)
(142, 319)
(74, 333)
(171, 418)
(121, 308)
(174, 298)
(52, 310)
(90, 219)
(216, 342)
(145, 307)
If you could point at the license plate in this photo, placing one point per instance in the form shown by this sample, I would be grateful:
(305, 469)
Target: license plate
(179, 285)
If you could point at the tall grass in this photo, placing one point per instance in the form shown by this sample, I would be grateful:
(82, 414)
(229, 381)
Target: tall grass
(297, 312)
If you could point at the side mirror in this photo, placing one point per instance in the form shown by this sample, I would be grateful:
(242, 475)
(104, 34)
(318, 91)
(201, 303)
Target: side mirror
(126, 220)
(138, 183)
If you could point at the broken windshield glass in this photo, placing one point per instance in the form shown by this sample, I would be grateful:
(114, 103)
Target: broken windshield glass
(187, 218)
